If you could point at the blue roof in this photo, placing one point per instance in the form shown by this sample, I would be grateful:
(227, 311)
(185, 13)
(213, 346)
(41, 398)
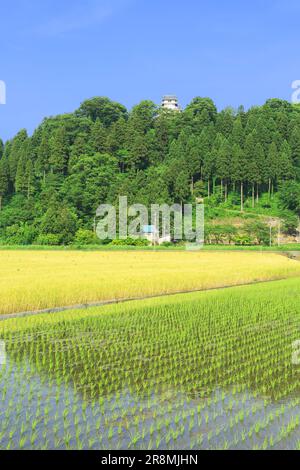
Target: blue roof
(149, 229)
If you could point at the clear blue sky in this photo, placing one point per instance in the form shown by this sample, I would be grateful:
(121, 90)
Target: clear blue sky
(54, 54)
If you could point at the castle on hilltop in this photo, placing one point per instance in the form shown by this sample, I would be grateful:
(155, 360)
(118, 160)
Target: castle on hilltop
(170, 102)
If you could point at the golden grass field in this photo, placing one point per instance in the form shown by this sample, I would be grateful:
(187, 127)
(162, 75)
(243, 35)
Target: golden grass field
(33, 280)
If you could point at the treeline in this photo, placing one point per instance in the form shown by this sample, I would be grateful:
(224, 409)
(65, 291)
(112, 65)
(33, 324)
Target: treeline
(52, 182)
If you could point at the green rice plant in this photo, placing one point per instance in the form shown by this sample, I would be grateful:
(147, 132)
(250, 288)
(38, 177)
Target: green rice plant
(165, 372)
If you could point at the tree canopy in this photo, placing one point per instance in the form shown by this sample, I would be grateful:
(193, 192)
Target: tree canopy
(74, 162)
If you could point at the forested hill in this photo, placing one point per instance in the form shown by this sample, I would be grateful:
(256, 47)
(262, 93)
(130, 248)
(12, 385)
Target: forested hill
(51, 183)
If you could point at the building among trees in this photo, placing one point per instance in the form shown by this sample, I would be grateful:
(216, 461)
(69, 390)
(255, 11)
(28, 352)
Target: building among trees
(170, 102)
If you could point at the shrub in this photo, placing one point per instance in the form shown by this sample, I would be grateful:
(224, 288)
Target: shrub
(60, 221)
(289, 196)
(235, 199)
(167, 244)
(200, 189)
(243, 240)
(290, 224)
(20, 235)
(130, 242)
(85, 237)
(141, 242)
(259, 231)
(215, 199)
(220, 233)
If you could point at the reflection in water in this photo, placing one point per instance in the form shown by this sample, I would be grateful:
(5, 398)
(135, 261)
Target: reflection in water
(215, 374)
(40, 413)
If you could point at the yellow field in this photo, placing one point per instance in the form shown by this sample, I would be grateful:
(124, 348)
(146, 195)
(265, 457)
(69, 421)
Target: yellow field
(38, 280)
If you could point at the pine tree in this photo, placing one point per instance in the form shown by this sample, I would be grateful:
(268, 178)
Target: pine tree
(116, 137)
(271, 165)
(99, 137)
(142, 117)
(20, 181)
(181, 187)
(285, 169)
(59, 151)
(208, 170)
(251, 162)
(238, 170)
(225, 122)
(79, 148)
(43, 155)
(259, 159)
(238, 132)
(4, 172)
(282, 124)
(223, 166)
(15, 150)
(193, 159)
(295, 146)
(29, 178)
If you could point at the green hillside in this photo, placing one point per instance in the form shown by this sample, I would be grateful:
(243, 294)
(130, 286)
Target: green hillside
(243, 164)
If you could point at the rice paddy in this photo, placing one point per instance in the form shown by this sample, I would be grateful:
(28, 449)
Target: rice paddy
(209, 370)
(35, 280)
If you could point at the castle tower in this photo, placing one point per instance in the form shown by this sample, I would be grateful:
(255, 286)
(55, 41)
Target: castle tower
(170, 102)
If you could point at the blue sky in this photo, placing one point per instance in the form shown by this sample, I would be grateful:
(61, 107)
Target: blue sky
(54, 54)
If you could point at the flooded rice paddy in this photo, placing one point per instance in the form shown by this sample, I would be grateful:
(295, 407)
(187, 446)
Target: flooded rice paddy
(202, 371)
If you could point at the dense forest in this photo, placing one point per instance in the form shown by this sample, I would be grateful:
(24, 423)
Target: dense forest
(52, 182)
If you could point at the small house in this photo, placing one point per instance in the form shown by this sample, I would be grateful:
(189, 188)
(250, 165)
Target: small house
(151, 233)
